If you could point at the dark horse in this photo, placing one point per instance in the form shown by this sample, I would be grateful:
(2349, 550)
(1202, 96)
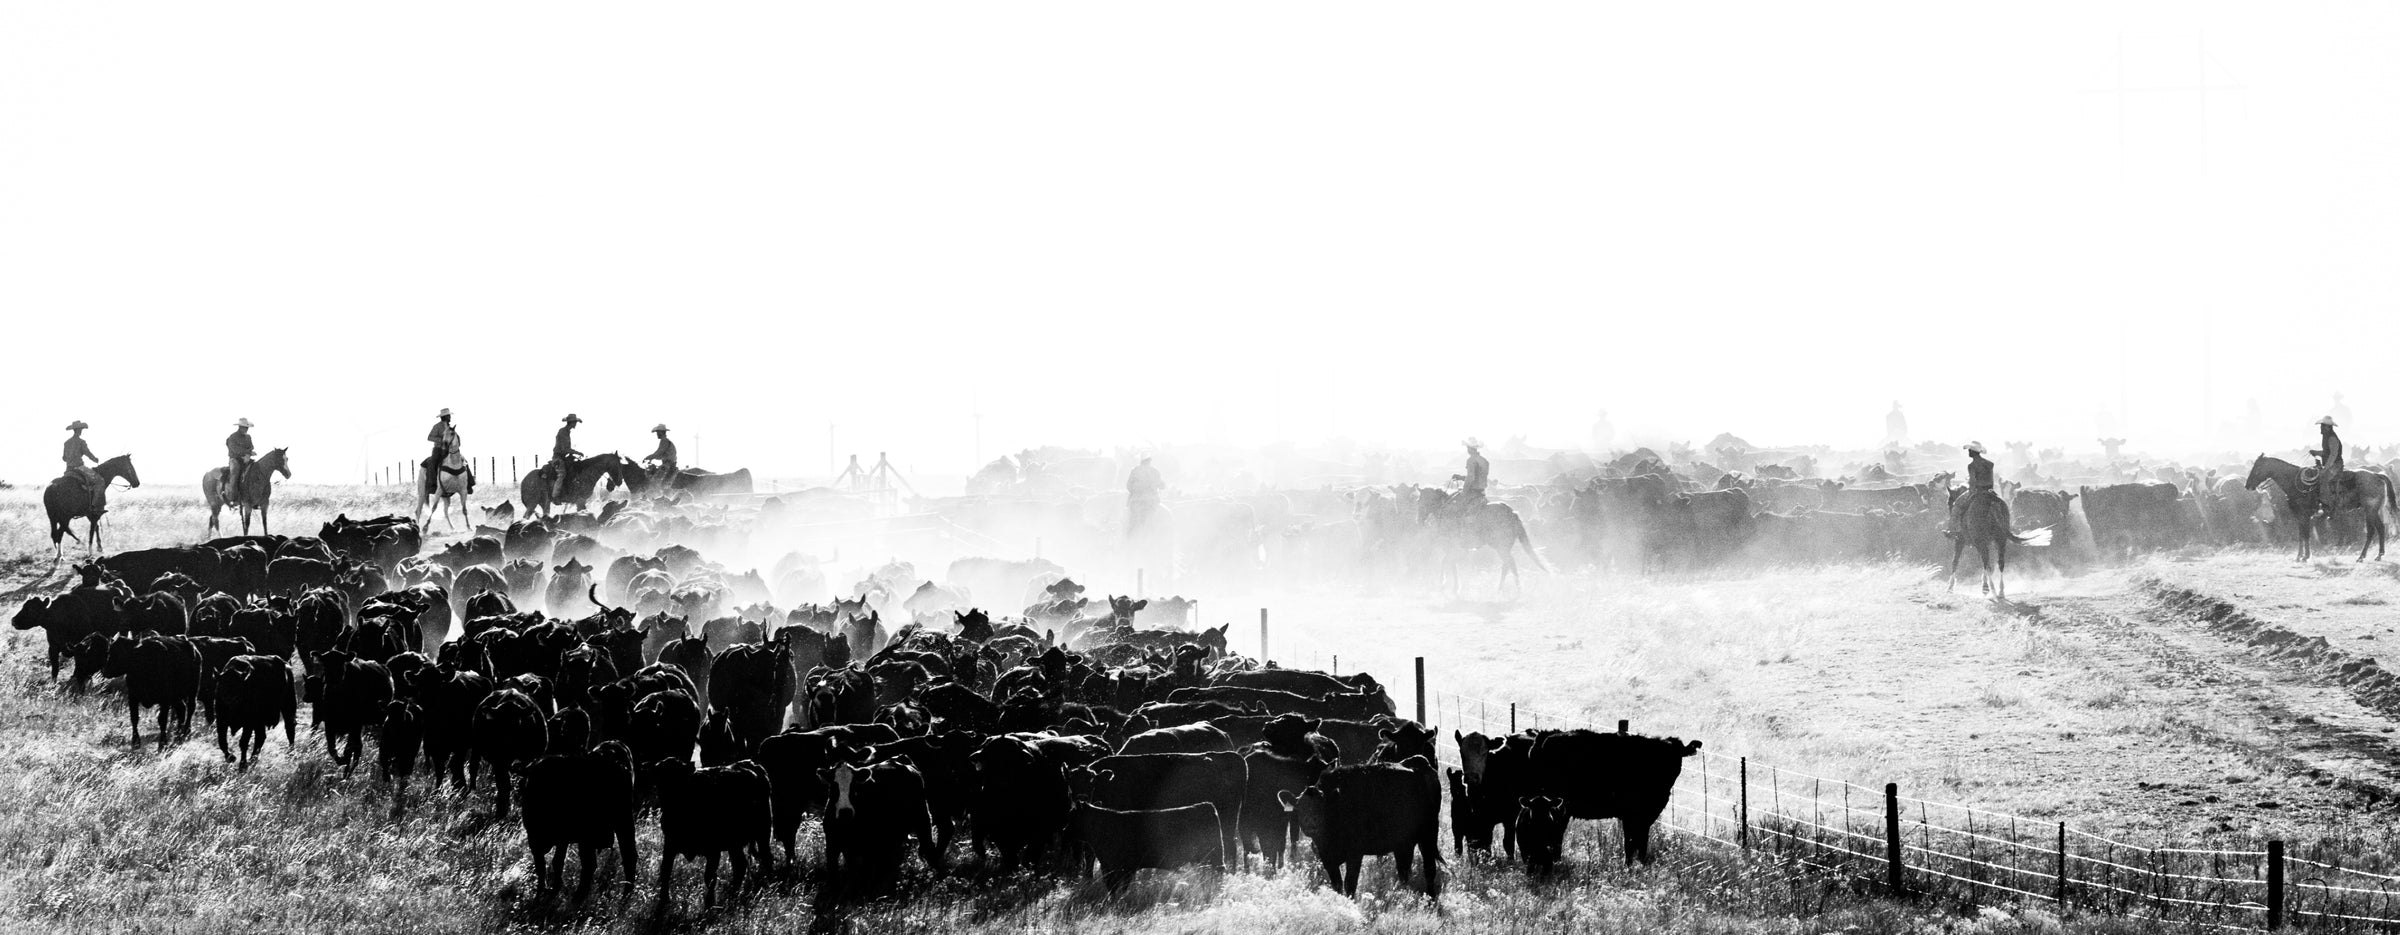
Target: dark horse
(2375, 494)
(257, 488)
(1983, 523)
(67, 498)
(534, 490)
(1463, 526)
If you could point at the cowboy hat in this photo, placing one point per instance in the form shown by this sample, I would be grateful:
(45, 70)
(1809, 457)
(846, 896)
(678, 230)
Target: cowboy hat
(2328, 420)
(1473, 442)
(78, 425)
(1976, 447)
(445, 412)
(571, 417)
(243, 423)
(661, 427)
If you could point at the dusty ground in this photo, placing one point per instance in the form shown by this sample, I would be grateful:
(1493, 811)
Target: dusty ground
(2179, 701)
(2091, 700)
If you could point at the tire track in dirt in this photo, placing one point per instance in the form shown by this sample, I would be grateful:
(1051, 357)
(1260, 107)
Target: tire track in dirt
(2276, 702)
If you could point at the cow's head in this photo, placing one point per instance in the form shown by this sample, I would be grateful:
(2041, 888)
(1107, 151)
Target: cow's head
(1541, 828)
(1474, 754)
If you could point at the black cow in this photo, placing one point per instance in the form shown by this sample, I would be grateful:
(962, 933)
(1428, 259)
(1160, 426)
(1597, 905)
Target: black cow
(1304, 682)
(352, 700)
(752, 683)
(1188, 738)
(507, 732)
(68, 618)
(1266, 828)
(1373, 808)
(1541, 824)
(692, 656)
(1294, 736)
(585, 799)
(1161, 839)
(666, 726)
(710, 812)
(792, 760)
(1152, 781)
(942, 761)
(450, 697)
(143, 567)
(398, 740)
(253, 694)
(161, 672)
(1404, 739)
(1606, 775)
(161, 613)
(1018, 801)
(873, 812)
(1355, 705)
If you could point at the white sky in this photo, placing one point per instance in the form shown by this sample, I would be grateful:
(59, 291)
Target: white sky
(1104, 223)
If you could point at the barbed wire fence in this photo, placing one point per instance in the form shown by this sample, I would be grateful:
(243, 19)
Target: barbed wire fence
(1920, 847)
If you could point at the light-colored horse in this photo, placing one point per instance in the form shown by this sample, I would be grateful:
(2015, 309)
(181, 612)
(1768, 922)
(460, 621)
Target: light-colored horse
(257, 489)
(437, 488)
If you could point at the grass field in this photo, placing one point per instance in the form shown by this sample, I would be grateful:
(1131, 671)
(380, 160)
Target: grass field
(2080, 702)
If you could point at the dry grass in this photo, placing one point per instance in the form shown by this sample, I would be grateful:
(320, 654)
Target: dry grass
(1867, 673)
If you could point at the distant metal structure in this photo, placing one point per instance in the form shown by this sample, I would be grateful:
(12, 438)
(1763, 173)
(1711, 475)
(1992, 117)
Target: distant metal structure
(881, 485)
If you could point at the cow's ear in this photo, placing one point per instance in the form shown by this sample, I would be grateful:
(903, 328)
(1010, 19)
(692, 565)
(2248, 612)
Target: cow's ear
(1691, 748)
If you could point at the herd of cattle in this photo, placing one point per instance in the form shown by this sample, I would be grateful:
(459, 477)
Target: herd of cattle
(598, 671)
(1639, 513)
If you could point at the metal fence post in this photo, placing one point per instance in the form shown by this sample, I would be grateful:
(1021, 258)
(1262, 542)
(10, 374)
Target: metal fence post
(1139, 588)
(1420, 690)
(512, 469)
(1891, 839)
(1262, 635)
(1512, 717)
(1744, 834)
(2274, 885)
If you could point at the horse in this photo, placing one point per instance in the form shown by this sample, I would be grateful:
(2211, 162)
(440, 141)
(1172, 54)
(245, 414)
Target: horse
(586, 473)
(1985, 528)
(67, 498)
(1464, 527)
(447, 481)
(2374, 494)
(257, 489)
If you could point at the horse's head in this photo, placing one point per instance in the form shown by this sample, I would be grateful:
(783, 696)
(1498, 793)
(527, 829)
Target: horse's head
(276, 461)
(119, 466)
(612, 466)
(2260, 470)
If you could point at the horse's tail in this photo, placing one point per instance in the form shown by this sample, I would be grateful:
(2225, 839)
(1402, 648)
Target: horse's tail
(2390, 500)
(1527, 541)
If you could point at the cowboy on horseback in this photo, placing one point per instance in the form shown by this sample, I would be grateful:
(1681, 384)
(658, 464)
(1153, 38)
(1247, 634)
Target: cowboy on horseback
(77, 452)
(661, 463)
(444, 437)
(1478, 476)
(1980, 493)
(1142, 489)
(2330, 482)
(239, 447)
(562, 456)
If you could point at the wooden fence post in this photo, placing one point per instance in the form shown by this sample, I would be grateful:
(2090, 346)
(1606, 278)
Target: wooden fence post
(512, 469)
(1262, 636)
(1621, 726)
(1420, 690)
(2274, 885)
(1512, 717)
(2062, 867)
(1744, 834)
(1891, 839)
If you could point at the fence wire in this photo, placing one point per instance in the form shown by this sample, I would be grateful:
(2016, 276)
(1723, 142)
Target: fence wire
(1958, 851)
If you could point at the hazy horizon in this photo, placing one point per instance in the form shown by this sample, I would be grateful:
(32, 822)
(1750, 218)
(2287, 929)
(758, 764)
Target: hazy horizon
(1102, 225)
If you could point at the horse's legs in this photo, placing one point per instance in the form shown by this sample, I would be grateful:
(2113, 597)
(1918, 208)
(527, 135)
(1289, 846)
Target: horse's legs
(2001, 577)
(1958, 547)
